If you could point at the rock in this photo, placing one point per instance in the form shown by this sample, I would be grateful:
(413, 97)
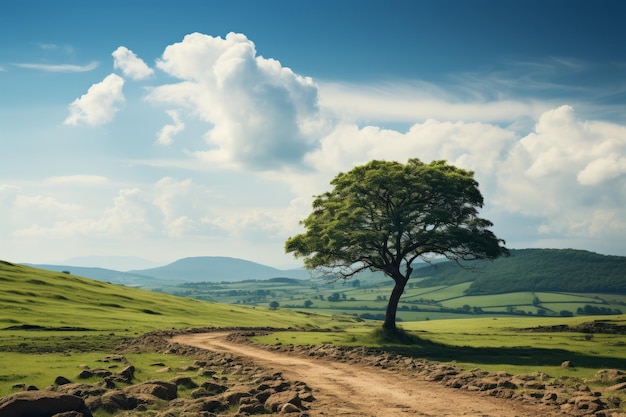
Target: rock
(128, 373)
(61, 380)
(85, 374)
(277, 400)
(614, 376)
(184, 381)
(289, 408)
(235, 394)
(80, 390)
(253, 407)
(213, 388)
(160, 389)
(114, 401)
(41, 404)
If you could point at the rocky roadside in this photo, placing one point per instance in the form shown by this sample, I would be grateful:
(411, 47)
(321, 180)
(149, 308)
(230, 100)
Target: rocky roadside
(569, 396)
(216, 384)
(219, 384)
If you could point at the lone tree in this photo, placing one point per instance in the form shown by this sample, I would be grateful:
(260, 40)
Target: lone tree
(384, 215)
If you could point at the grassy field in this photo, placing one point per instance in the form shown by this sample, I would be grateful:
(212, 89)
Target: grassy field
(368, 298)
(50, 322)
(494, 344)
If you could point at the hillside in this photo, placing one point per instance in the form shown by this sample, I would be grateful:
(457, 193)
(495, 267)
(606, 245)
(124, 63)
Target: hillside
(31, 297)
(102, 274)
(556, 270)
(217, 269)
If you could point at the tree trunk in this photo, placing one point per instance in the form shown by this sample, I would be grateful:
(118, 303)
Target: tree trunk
(392, 306)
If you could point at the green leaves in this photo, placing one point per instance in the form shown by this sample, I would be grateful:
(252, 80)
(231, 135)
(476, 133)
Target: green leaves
(386, 214)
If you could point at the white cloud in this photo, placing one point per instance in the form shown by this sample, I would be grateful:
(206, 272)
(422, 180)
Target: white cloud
(60, 67)
(569, 173)
(130, 64)
(166, 134)
(130, 216)
(408, 102)
(99, 104)
(261, 113)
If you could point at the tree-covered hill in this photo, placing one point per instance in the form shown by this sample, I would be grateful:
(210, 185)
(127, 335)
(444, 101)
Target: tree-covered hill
(565, 270)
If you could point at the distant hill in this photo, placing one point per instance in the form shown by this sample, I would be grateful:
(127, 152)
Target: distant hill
(217, 269)
(561, 270)
(129, 279)
(117, 263)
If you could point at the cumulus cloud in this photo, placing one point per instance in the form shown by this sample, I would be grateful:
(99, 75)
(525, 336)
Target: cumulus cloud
(99, 104)
(131, 66)
(166, 134)
(569, 173)
(60, 67)
(130, 215)
(261, 113)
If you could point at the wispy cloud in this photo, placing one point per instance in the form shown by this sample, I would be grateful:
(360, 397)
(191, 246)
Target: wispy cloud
(59, 67)
(47, 46)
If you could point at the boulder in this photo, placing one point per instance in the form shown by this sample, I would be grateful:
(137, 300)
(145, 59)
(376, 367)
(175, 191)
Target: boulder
(613, 376)
(128, 373)
(160, 389)
(213, 388)
(184, 381)
(41, 404)
(113, 401)
(276, 401)
(61, 380)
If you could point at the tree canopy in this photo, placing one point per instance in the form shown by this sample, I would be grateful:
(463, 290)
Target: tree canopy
(384, 215)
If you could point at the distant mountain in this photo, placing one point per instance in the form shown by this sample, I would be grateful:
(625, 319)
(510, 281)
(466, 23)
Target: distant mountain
(216, 269)
(560, 270)
(117, 263)
(107, 275)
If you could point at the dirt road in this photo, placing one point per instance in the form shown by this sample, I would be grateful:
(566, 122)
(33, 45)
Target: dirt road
(349, 390)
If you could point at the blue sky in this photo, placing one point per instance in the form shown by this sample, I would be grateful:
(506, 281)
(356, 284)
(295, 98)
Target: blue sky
(163, 129)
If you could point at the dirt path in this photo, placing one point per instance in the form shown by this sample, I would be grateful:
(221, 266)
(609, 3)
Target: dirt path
(350, 390)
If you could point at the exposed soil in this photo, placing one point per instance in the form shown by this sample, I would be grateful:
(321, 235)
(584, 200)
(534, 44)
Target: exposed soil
(351, 390)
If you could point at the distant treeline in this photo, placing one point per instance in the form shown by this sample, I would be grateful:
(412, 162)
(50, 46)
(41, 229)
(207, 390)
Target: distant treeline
(560, 270)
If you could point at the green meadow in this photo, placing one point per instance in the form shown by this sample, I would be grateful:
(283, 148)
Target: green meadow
(50, 322)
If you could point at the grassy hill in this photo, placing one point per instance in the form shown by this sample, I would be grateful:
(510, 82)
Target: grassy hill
(107, 275)
(553, 270)
(32, 298)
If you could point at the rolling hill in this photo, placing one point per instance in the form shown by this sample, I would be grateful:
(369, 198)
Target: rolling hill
(32, 299)
(129, 279)
(565, 270)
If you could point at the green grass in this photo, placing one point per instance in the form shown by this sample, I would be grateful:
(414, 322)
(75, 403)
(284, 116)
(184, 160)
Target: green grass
(51, 321)
(80, 320)
(42, 369)
(495, 344)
